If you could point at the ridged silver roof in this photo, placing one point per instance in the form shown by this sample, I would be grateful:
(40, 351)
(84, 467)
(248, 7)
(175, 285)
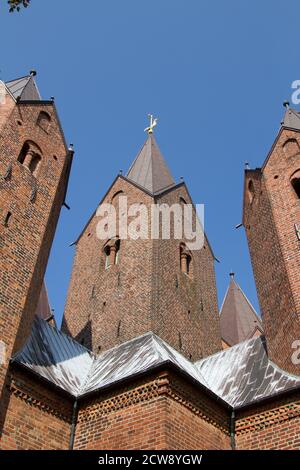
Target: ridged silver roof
(56, 357)
(243, 374)
(239, 375)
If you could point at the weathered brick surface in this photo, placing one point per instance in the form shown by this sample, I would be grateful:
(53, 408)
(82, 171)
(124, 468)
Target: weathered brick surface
(274, 247)
(271, 426)
(161, 413)
(34, 204)
(37, 418)
(145, 291)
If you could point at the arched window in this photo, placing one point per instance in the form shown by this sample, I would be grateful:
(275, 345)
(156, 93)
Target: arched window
(44, 121)
(295, 182)
(116, 196)
(251, 191)
(291, 147)
(111, 252)
(30, 157)
(107, 257)
(186, 261)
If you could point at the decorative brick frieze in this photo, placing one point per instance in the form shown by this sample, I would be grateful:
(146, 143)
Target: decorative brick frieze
(268, 418)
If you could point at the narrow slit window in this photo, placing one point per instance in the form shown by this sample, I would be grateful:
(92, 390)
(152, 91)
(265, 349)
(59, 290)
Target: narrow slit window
(7, 219)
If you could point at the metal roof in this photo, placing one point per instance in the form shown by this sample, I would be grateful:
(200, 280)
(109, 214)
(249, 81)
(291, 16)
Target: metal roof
(238, 319)
(238, 376)
(149, 170)
(291, 119)
(24, 88)
(243, 374)
(55, 357)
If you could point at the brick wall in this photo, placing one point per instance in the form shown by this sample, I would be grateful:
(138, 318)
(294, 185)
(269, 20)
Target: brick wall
(36, 418)
(271, 208)
(144, 291)
(162, 412)
(34, 204)
(269, 427)
(159, 411)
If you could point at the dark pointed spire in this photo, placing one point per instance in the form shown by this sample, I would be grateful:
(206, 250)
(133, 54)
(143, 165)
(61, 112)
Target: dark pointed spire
(239, 321)
(24, 88)
(149, 170)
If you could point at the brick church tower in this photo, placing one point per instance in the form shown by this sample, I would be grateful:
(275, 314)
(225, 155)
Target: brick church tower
(34, 168)
(121, 289)
(272, 223)
(142, 366)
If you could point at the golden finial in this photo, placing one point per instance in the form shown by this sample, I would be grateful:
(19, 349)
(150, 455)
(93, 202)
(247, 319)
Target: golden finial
(153, 123)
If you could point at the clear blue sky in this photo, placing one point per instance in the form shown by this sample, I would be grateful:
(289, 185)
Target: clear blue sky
(215, 72)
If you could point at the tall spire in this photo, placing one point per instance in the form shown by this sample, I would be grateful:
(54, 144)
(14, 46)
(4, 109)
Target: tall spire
(149, 170)
(238, 319)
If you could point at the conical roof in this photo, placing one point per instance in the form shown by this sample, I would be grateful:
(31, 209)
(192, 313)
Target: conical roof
(149, 170)
(24, 88)
(239, 321)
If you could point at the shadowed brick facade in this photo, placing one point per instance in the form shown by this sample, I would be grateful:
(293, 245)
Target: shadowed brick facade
(29, 206)
(271, 214)
(139, 363)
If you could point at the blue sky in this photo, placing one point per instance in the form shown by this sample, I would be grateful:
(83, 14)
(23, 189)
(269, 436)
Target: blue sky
(215, 72)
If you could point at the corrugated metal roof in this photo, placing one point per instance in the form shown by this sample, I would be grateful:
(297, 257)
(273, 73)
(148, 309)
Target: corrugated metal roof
(238, 375)
(24, 88)
(238, 319)
(149, 170)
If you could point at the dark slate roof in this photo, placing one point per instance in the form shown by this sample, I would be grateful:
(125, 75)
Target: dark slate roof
(238, 319)
(149, 170)
(238, 376)
(243, 374)
(24, 88)
(291, 119)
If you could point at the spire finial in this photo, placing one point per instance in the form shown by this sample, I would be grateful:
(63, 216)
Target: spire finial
(153, 123)
(231, 274)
